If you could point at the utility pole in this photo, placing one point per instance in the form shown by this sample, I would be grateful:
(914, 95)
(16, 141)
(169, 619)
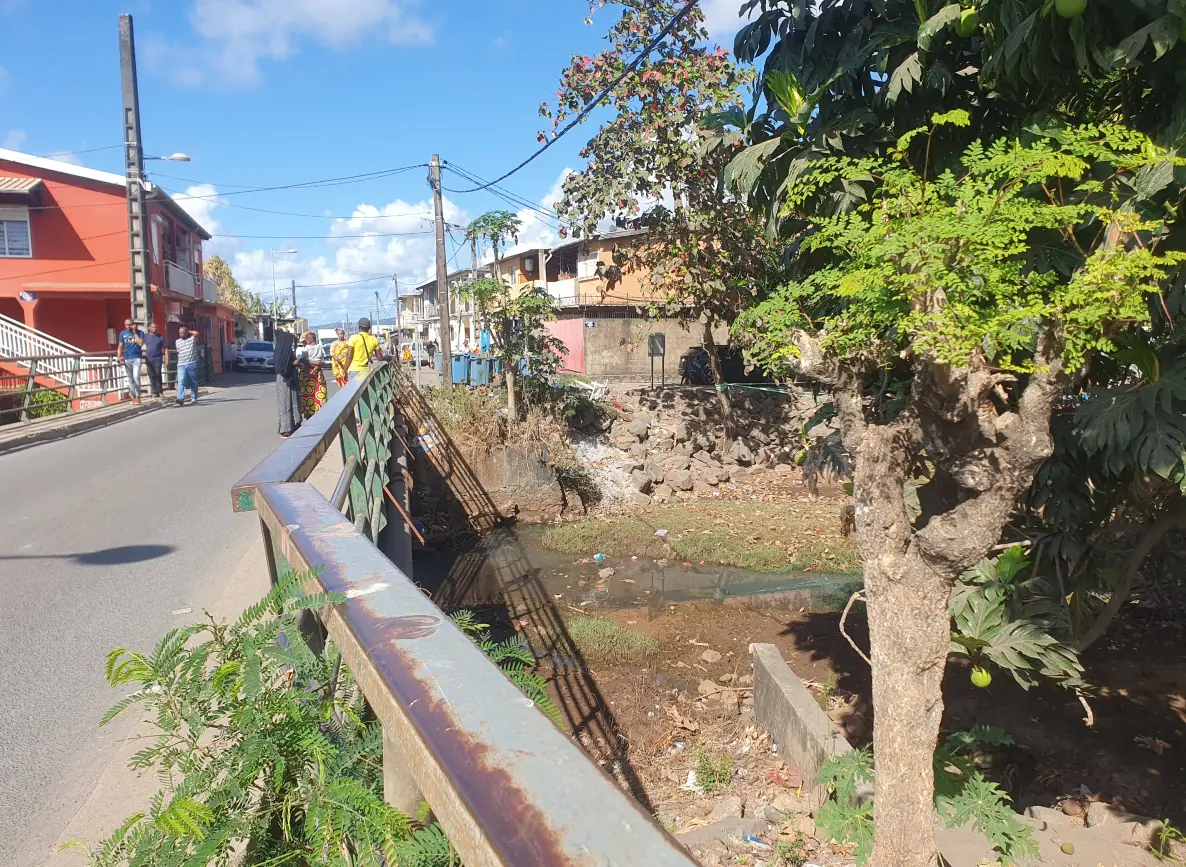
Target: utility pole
(438, 207)
(138, 255)
(399, 330)
(294, 310)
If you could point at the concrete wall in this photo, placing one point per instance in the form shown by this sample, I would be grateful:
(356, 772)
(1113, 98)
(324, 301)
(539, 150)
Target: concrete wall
(617, 346)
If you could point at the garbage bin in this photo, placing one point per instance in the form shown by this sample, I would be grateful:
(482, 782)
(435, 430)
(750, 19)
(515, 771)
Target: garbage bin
(460, 368)
(479, 370)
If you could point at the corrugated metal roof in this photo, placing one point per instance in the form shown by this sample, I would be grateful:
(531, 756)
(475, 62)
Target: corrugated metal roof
(19, 185)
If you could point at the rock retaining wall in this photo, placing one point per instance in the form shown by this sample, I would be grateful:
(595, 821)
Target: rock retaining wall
(675, 439)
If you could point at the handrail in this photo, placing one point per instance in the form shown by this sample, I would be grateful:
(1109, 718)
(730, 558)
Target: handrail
(509, 788)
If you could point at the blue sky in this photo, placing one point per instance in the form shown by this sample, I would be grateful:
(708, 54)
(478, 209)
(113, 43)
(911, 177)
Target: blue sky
(272, 92)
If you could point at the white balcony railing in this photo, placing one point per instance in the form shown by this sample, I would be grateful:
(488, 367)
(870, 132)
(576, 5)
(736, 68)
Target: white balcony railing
(180, 281)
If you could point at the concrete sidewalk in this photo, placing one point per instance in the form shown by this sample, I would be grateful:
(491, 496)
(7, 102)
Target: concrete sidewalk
(22, 434)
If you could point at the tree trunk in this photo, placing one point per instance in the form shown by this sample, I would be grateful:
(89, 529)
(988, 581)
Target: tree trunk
(722, 388)
(909, 632)
(908, 640)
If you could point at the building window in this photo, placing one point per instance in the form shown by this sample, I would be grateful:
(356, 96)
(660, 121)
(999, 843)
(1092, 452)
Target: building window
(587, 264)
(15, 242)
(514, 275)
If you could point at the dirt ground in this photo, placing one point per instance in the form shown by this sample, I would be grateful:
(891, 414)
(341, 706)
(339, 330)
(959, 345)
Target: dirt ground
(661, 724)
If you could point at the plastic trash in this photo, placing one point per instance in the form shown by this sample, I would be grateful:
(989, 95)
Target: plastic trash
(660, 533)
(691, 785)
(750, 838)
(598, 558)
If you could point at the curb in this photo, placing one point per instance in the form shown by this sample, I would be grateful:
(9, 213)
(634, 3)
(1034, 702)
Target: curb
(82, 425)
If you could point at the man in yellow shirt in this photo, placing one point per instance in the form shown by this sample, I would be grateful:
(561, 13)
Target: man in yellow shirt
(364, 347)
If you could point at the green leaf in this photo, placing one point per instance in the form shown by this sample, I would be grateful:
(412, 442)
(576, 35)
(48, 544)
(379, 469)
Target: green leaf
(907, 74)
(949, 14)
(743, 170)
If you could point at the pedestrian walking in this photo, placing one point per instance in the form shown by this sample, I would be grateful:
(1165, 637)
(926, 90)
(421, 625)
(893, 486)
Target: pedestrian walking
(186, 346)
(130, 351)
(364, 348)
(432, 353)
(156, 359)
(288, 398)
(339, 354)
(310, 355)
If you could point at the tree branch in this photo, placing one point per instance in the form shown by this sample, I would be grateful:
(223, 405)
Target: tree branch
(1171, 520)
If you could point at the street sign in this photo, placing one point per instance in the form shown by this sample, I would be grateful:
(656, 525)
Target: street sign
(657, 345)
(590, 323)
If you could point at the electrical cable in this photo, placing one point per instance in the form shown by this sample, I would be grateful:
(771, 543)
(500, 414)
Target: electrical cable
(74, 153)
(512, 197)
(304, 185)
(596, 101)
(327, 237)
(343, 283)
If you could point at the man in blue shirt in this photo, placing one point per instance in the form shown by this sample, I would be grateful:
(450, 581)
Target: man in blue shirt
(156, 358)
(131, 353)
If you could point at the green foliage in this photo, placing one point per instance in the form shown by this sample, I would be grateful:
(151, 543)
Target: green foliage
(229, 291)
(47, 402)
(945, 267)
(790, 853)
(963, 796)
(261, 746)
(515, 660)
(1013, 618)
(714, 771)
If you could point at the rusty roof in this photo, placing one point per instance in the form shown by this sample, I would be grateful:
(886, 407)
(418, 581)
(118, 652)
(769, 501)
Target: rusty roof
(19, 185)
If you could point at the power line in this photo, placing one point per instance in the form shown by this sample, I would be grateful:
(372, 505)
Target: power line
(343, 283)
(325, 216)
(473, 177)
(513, 199)
(74, 153)
(304, 185)
(593, 103)
(327, 237)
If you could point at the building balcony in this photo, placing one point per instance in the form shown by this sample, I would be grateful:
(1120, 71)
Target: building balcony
(179, 281)
(209, 290)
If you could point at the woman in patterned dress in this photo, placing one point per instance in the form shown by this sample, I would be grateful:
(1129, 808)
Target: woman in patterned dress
(339, 353)
(313, 391)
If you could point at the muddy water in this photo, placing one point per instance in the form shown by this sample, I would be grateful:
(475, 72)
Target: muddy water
(514, 562)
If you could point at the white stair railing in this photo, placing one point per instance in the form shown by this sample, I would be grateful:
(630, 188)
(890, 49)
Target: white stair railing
(18, 342)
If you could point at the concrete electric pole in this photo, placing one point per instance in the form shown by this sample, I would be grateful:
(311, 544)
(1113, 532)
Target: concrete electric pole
(138, 255)
(442, 275)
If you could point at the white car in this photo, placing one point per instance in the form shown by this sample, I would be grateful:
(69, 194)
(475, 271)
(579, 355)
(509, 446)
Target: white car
(257, 355)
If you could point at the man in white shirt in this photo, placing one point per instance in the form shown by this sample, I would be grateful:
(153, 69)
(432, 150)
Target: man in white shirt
(187, 364)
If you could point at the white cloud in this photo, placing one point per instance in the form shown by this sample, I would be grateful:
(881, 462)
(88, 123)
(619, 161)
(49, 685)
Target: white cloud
(236, 35)
(14, 140)
(199, 201)
(396, 238)
(722, 21)
(539, 230)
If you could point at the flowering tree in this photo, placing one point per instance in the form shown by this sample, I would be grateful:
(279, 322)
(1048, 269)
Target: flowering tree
(655, 164)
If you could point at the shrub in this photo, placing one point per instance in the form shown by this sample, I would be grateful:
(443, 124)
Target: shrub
(47, 402)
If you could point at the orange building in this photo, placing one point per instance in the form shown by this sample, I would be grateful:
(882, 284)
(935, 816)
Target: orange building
(64, 258)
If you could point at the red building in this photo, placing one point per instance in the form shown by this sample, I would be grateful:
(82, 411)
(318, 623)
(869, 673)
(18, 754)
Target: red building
(64, 257)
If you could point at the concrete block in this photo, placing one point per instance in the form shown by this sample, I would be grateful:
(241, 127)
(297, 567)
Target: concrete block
(805, 735)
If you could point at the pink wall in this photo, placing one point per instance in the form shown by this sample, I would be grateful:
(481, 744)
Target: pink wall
(571, 332)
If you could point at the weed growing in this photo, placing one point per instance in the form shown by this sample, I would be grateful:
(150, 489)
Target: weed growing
(714, 771)
(605, 641)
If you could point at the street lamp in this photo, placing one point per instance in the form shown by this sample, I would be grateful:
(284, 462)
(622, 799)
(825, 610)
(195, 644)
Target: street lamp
(283, 253)
(175, 158)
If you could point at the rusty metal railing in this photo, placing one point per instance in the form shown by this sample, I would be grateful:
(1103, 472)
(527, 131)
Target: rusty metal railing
(509, 787)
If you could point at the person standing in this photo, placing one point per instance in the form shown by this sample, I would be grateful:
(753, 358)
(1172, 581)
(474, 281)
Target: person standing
(432, 353)
(187, 364)
(339, 353)
(156, 359)
(364, 348)
(288, 399)
(130, 352)
(310, 355)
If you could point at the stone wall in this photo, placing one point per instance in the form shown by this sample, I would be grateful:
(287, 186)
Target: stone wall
(675, 438)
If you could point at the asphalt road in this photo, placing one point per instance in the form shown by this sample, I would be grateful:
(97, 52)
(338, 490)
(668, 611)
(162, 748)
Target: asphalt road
(102, 537)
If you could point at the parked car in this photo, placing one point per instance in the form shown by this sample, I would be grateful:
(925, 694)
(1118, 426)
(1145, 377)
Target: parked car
(257, 355)
(326, 342)
(694, 368)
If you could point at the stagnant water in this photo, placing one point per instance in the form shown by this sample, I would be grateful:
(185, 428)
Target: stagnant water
(513, 561)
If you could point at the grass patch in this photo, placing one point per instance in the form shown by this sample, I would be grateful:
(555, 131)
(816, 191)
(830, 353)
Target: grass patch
(761, 537)
(606, 641)
(827, 690)
(714, 771)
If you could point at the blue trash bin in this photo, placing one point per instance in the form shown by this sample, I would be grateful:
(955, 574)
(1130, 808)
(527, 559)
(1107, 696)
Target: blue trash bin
(460, 368)
(479, 370)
